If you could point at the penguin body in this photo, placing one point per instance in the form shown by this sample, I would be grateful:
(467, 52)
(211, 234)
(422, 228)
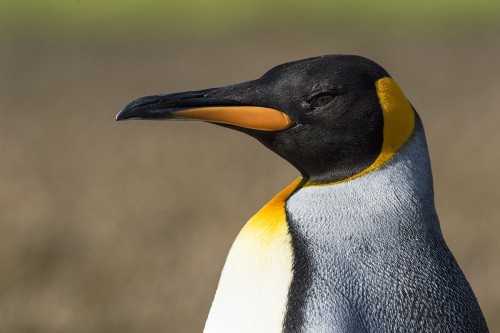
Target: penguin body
(354, 245)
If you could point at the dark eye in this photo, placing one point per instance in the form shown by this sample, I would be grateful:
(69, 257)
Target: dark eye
(321, 100)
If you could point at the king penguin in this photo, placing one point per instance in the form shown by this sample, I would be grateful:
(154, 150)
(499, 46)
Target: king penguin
(354, 244)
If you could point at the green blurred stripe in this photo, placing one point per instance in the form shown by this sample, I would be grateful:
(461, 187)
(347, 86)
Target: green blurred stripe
(114, 17)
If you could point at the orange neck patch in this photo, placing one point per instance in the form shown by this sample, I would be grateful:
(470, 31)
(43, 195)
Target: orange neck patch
(270, 221)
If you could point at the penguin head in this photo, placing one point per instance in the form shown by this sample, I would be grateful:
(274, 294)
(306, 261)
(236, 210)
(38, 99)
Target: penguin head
(332, 117)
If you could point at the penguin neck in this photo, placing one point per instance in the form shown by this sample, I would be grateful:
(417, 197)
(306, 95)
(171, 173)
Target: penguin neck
(401, 189)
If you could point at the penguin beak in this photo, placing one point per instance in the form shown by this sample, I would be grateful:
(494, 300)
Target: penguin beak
(203, 105)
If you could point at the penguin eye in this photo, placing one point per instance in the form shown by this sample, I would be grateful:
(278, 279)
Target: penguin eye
(321, 100)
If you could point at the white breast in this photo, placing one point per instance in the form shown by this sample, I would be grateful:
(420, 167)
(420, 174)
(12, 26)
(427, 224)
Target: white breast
(253, 289)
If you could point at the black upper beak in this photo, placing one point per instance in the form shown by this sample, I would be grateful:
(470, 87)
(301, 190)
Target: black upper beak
(206, 105)
(164, 106)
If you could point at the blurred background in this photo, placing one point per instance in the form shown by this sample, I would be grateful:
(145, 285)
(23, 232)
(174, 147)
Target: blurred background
(124, 227)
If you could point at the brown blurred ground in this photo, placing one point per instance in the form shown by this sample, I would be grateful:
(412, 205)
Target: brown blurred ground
(124, 227)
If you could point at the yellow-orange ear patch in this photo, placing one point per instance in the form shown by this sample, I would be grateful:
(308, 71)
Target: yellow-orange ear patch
(399, 119)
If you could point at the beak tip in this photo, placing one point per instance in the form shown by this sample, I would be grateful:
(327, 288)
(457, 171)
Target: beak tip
(119, 116)
(126, 113)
